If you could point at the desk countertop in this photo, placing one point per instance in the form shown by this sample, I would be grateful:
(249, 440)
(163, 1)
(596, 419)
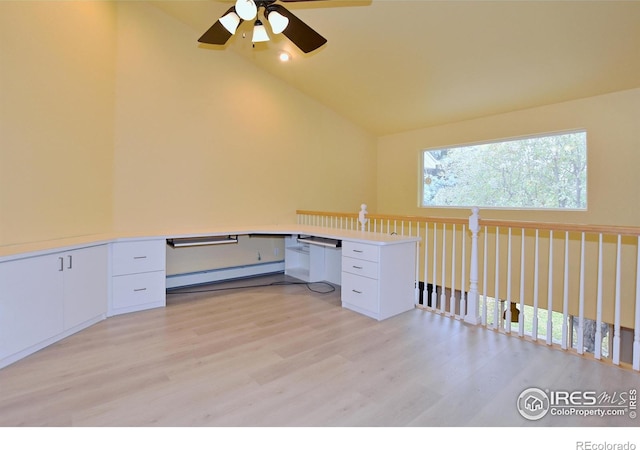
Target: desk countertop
(29, 249)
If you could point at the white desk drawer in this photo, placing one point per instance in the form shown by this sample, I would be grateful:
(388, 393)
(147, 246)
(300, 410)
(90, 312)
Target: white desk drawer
(139, 256)
(361, 251)
(360, 267)
(138, 289)
(361, 292)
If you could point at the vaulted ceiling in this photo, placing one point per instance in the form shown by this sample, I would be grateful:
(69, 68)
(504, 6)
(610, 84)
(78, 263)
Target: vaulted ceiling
(394, 65)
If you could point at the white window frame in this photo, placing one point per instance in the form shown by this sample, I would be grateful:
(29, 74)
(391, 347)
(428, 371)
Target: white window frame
(423, 152)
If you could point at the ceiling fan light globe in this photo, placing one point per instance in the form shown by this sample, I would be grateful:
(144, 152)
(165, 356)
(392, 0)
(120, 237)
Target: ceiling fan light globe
(259, 33)
(246, 9)
(277, 21)
(230, 22)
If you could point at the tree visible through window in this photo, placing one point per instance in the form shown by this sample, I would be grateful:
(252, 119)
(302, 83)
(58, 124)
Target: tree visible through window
(541, 172)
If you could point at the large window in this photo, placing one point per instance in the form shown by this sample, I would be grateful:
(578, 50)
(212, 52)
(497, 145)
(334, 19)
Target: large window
(536, 172)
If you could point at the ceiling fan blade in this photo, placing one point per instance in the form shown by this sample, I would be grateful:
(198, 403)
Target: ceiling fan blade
(217, 34)
(298, 32)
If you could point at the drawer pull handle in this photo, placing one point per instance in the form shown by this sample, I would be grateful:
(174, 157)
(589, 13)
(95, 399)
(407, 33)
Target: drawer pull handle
(139, 257)
(139, 289)
(358, 251)
(357, 267)
(357, 292)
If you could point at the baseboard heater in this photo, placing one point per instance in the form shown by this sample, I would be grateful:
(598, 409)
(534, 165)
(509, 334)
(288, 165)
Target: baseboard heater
(202, 240)
(224, 274)
(324, 242)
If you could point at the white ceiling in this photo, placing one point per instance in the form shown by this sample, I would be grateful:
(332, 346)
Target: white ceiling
(396, 65)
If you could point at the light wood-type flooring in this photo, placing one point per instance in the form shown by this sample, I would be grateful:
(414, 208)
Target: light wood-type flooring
(287, 356)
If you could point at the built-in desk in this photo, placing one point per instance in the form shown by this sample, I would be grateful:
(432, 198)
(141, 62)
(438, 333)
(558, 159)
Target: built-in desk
(45, 288)
(376, 271)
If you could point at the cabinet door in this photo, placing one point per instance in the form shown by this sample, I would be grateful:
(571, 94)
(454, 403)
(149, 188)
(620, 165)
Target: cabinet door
(85, 285)
(31, 297)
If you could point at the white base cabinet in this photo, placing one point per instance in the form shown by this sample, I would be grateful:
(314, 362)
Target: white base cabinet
(46, 298)
(378, 280)
(138, 276)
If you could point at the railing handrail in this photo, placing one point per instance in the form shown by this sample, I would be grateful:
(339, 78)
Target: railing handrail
(456, 220)
(555, 226)
(604, 229)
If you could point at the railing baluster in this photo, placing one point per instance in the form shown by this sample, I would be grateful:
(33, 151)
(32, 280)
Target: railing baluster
(598, 338)
(434, 296)
(496, 295)
(534, 330)
(484, 277)
(580, 344)
(416, 286)
(463, 283)
(521, 316)
(565, 296)
(507, 321)
(443, 295)
(425, 300)
(452, 299)
(636, 333)
(550, 292)
(616, 323)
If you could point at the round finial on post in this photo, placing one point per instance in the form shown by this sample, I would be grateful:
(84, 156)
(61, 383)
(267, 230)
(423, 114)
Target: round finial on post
(474, 220)
(362, 216)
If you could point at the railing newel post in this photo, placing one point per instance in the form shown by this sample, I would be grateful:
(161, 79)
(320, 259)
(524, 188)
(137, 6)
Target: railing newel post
(472, 315)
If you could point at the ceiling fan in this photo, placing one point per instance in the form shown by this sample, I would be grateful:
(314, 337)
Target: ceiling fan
(280, 19)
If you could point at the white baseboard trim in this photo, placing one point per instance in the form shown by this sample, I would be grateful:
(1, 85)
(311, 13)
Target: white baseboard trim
(230, 273)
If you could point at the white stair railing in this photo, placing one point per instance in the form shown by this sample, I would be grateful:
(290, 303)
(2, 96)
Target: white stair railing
(582, 280)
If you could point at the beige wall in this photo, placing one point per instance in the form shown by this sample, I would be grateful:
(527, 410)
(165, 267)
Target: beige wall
(613, 140)
(57, 66)
(203, 138)
(112, 119)
(613, 137)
